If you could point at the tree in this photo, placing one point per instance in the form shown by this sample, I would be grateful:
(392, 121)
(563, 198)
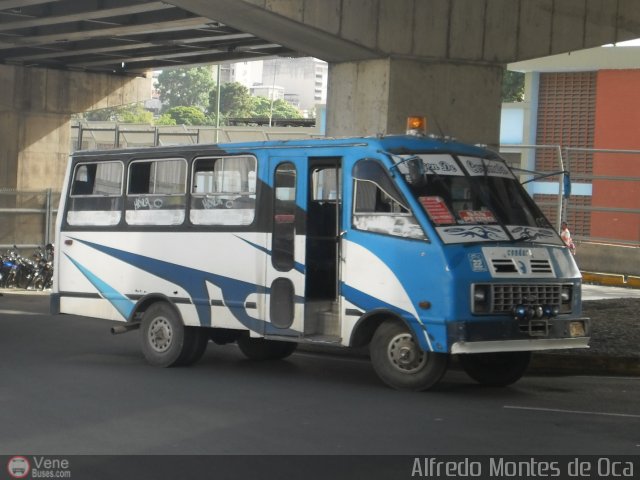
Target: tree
(186, 87)
(281, 109)
(512, 86)
(165, 119)
(183, 116)
(134, 113)
(235, 100)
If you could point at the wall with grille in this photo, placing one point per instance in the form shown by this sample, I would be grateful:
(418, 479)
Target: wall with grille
(566, 116)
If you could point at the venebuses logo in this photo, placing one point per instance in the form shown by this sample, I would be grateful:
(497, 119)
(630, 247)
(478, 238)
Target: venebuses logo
(18, 467)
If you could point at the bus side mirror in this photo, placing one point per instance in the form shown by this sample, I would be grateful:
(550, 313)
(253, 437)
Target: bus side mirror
(416, 169)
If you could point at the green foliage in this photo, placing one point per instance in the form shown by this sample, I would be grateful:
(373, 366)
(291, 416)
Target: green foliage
(165, 119)
(281, 109)
(134, 113)
(512, 86)
(235, 100)
(184, 116)
(186, 87)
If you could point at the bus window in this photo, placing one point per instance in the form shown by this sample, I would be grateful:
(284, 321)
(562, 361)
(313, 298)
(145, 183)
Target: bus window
(156, 193)
(223, 191)
(325, 184)
(96, 194)
(284, 216)
(378, 206)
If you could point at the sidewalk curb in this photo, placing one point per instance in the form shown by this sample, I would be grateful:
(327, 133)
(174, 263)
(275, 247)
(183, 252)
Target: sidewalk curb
(611, 279)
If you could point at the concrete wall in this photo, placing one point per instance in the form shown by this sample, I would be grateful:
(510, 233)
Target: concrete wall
(35, 110)
(376, 96)
(604, 258)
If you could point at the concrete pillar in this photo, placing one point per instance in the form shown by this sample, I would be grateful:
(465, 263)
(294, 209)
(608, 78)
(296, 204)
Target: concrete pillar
(372, 97)
(35, 114)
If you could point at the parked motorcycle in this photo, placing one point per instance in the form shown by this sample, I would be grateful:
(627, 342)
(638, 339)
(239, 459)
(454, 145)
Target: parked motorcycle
(9, 268)
(42, 277)
(36, 273)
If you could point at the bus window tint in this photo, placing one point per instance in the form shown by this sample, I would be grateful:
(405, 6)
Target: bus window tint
(378, 206)
(223, 191)
(284, 216)
(156, 193)
(96, 194)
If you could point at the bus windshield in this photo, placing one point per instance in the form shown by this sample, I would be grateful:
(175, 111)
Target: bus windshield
(476, 199)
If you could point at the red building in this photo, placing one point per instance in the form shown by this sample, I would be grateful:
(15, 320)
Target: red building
(587, 102)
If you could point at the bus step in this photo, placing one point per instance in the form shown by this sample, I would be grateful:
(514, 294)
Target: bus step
(319, 338)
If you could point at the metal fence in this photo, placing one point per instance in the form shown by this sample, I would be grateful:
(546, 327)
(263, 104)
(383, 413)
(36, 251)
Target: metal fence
(604, 202)
(27, 218)
(87, 135)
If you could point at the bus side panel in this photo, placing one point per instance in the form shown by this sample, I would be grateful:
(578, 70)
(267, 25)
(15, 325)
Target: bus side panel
(215, 279)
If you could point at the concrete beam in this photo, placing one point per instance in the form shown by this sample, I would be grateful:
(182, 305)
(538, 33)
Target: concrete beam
(376, 96)
(283, 22)
(480, 31)
(501, 36)
(35, 112)
(600, 22)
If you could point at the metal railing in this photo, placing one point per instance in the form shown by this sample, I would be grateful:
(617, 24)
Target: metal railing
(108, 135)
(27, 218)
(566, 160)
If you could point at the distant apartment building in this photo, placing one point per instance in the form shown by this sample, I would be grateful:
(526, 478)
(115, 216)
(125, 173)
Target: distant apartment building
(304, 80)
(300, 81)
(272, 92)
(245, 73)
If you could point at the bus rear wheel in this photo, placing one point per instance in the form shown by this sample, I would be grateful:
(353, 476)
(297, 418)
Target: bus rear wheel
(497, 369)
(261, 349)
(400, 362)
(166, 342)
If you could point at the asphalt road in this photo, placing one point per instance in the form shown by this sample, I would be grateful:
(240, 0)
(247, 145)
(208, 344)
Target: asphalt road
(67, 386)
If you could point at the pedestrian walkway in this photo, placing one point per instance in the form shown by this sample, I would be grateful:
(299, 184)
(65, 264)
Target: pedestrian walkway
(601, 292)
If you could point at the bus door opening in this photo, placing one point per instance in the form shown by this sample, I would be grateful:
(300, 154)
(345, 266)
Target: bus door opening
(322, 248)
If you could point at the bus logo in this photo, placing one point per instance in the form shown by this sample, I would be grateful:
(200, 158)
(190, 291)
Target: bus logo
(477, 262)
(18, 467)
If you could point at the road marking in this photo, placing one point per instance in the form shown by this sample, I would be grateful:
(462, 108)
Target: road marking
(18, 312)
(577, 412)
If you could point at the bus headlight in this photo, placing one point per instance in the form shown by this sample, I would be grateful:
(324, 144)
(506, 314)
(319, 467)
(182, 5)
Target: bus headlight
(566, 295)
(480, 299)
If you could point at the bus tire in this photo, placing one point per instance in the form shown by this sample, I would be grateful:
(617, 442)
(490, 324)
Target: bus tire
(400, 362)
(497, 369)
(198, 343)
(261, 349)
(165, 341)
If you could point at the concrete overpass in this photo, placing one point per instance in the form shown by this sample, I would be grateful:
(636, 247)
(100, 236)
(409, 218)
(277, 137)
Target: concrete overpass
(388, 58)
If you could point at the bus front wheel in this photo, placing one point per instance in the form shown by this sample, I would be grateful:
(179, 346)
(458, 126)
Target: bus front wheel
(261, 349)
(497, 369)
(166, 342)
(400, 362)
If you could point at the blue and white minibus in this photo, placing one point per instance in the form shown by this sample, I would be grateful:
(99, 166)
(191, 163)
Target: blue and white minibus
(421, 248)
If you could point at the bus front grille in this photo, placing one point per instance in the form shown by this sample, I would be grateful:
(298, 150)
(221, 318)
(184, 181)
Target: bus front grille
(505, 296)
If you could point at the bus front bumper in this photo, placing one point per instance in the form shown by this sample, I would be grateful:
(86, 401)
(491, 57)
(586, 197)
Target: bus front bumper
(520, 345)
(513, 336)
